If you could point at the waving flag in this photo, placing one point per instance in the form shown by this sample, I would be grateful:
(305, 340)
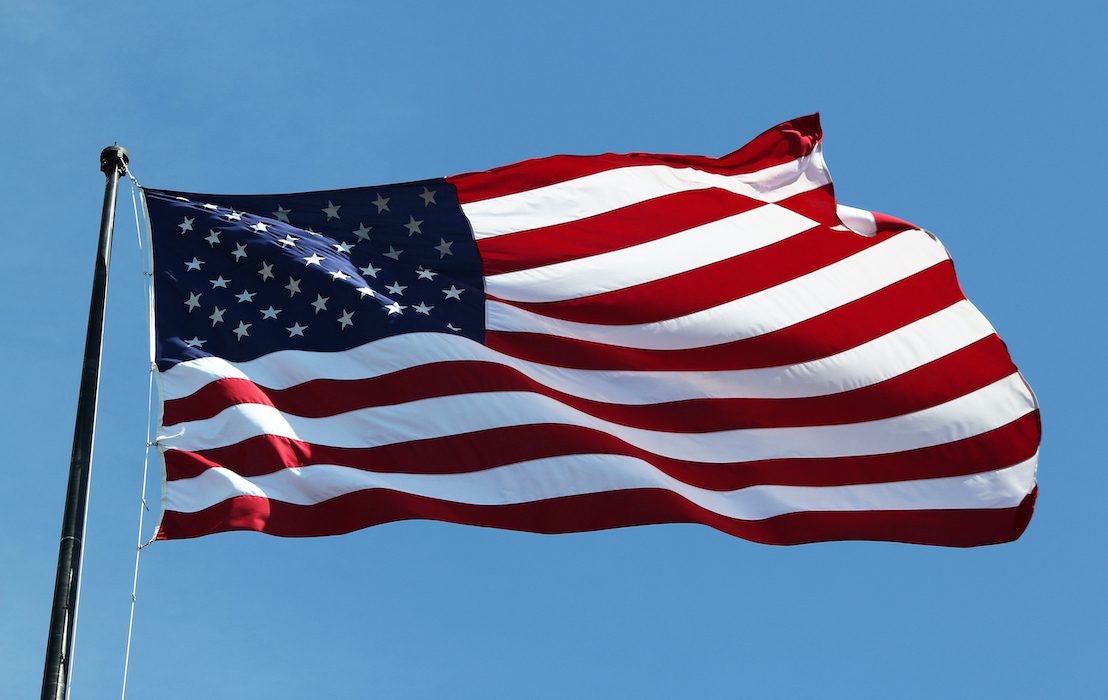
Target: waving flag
(575, 343)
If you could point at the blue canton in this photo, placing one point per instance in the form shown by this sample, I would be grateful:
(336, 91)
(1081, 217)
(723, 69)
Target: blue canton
(240, 276)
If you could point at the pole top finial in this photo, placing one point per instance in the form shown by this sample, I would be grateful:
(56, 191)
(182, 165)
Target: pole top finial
(114, 157)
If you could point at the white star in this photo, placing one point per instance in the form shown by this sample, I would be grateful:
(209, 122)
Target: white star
(313, 259)
(186, 225)
(266, 272)
(195, 342)
(342, 247)
(396, 288)
(362, 232)
(393, 253)
(209, 206)
(194, 265)
(320, 303)
(219, 282)
(241, 330)
(369, 270)
(282, 214)
(293, 286)
(313, 232)
(213, 237)
(331, 210)
(193, 301)
(270, 312)
(346, 319)
(382, 203)
(245, 296)
(261, 227)
(444, 248)
(425, 274)
(217, 315)
(365, 291)
(413, 225)
(239, 252)
(296, 329)
(394, 308)
(287, 241)
(452, 327)
(339, 275)
(453, 292)
(234, 216)
(423, 308)
(428, 197)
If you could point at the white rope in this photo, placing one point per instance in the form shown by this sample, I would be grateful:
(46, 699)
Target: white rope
(143, 507)
(134, 207)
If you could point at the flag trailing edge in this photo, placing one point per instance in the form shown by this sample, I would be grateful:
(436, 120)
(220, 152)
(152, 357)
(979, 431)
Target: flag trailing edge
(583, 342)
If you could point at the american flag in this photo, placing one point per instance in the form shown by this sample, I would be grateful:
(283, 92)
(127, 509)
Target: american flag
(582, 342)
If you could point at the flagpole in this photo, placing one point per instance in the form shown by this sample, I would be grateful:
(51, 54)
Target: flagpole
(63, 615)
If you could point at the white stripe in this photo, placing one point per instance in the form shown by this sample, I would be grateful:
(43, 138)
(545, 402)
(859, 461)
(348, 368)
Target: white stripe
(601, 192)
(558, 477)
(857, 220)
(890, 355)
(797, 300)
(680, 252)
(985, 409)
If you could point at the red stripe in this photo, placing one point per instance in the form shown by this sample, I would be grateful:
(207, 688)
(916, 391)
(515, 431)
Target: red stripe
(830, 333)
(890, 224)
(486, 449)
(818, 205)
(613, 230)
(781, 144)
(710, 285)
(597, 511)
(939, 381)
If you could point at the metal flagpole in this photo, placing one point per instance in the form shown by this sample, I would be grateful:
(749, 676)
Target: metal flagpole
(63, 616)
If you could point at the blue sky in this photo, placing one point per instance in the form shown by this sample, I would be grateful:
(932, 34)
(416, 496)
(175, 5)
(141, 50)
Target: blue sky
(978, 121)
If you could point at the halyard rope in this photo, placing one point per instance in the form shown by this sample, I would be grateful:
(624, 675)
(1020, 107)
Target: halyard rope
(143, 507)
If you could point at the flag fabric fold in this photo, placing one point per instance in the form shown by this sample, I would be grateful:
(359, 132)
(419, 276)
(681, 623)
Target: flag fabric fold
(583, 342)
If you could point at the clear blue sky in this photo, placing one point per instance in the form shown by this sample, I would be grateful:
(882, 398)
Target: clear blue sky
(981, 122)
